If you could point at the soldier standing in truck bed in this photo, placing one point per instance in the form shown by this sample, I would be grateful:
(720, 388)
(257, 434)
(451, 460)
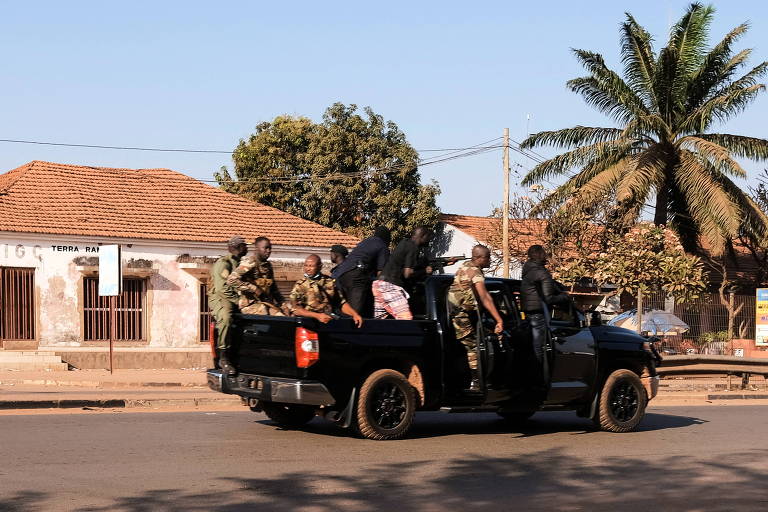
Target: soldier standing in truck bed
(223, 298)
(254, 279)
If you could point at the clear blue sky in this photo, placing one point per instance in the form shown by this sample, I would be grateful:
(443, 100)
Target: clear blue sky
(203, 74)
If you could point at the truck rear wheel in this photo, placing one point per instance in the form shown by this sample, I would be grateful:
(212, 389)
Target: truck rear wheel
(622, 402)
(288, 415)
(386, 406)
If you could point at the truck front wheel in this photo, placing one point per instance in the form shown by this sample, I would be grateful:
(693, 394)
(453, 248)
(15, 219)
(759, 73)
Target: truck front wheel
(386, 406)
(288, 415)
(622, 402)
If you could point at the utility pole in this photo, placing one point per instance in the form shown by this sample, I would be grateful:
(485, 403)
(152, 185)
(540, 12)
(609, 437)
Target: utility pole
(505, 214)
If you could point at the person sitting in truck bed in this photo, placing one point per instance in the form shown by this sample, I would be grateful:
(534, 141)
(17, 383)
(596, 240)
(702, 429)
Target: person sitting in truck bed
(254, 279)
(316, 295)
(467, 289)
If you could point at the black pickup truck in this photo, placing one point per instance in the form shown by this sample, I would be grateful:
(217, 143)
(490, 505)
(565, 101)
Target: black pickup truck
(373, 379)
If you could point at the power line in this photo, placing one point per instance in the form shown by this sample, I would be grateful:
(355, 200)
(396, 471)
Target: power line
(187, 150)
(359, 174)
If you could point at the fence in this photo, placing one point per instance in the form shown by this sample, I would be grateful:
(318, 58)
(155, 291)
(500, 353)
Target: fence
(713, 328)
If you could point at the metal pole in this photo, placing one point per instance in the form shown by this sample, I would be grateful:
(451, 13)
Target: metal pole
(639, 310)
(112, 328)
(505, 214)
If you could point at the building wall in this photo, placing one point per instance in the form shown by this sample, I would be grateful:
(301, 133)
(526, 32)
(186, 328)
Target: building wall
(173, 288)
(454, 242)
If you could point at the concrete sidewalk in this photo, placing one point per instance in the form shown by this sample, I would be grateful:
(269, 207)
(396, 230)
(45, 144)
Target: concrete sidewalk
(188, 388)
(100, 389)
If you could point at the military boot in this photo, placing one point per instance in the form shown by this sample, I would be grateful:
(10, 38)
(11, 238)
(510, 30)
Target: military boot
(227, 367)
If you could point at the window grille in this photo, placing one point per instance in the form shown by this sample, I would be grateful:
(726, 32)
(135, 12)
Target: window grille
(128, 313)
(205, 314)
(17, 303)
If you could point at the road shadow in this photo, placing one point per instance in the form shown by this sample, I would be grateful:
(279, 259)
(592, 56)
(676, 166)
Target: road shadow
(548, 480)
(437, 424)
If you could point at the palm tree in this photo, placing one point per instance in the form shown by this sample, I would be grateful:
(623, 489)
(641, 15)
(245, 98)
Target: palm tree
(663, 108)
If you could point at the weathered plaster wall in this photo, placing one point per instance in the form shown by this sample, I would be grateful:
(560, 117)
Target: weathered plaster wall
(456, 242)
(172, 310)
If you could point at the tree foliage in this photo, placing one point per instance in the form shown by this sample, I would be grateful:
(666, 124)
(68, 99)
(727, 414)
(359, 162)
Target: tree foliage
(350, 172)
(664, 107)
(650, 258)
(588, 243)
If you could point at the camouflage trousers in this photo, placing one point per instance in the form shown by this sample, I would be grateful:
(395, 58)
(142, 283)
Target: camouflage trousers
(262, 308)
(222, 314)
(464, 325)
(470, 343)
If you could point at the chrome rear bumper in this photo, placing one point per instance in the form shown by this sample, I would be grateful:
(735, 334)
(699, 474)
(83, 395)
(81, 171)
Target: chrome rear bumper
(271, 389)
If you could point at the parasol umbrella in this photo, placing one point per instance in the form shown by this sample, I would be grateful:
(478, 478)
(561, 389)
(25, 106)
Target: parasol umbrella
(655, 321)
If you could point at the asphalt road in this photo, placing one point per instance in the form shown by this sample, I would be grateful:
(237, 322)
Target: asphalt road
(684, 458)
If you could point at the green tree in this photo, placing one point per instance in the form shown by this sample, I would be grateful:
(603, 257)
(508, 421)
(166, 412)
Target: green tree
(649, 258)
(664, 107)
(349, 172)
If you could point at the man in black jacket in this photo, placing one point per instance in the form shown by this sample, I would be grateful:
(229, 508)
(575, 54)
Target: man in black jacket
(355, 274)
(537, 289)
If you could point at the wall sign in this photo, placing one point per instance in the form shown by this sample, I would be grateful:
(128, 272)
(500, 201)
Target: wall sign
(761, 318)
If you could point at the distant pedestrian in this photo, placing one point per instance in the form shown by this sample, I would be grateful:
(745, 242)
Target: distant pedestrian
(355, 274)
(538, 290)
(405, 266)
(465, 294)
(316, 296)
(254, 279)
(338, 255)
(223, 298)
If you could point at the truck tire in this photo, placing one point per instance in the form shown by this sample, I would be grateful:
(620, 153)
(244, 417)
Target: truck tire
(622, 402)
(386, 406)
(288, 415)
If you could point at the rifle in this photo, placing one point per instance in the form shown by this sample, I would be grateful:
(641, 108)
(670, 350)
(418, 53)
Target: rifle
(438, 264)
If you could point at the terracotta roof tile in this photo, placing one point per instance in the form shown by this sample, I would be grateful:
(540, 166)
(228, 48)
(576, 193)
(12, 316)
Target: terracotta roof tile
(158, 204)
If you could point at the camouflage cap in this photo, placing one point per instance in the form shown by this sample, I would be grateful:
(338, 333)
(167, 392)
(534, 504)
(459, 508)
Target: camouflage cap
(339, 249)
(235, 241)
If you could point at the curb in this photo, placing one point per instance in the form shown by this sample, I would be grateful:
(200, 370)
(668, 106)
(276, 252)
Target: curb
(100, 384)
(118, 403)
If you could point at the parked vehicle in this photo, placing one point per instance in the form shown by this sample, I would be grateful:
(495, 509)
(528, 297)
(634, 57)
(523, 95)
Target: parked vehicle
(374, 379)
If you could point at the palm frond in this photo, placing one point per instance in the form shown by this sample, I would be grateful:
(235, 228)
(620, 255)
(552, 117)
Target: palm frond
(718, 156)
(712, 208)
(570, 137)
(647, 174)
(605, 89)
(567, 190)
(718, 66)
(739, 145)
(575, 158)
(638, 59)
(720, 108)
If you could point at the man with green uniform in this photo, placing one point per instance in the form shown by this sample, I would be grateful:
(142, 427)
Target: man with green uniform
(254, 279)
(467, 289)
(316, 295)
(222, 298)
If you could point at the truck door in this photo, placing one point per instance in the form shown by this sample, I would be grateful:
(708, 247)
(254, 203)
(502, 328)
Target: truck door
(497, 354)
(573, 355)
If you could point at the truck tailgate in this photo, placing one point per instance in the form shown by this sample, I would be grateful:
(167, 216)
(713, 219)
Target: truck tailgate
(265, 345)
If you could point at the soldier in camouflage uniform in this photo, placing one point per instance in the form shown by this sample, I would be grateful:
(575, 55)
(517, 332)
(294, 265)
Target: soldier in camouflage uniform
(316, 295)
(467, 289)
(254, 279)
(223, 298)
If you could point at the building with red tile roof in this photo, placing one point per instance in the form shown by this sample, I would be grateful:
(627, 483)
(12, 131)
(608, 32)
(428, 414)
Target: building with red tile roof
(152, 204)
(55, 217)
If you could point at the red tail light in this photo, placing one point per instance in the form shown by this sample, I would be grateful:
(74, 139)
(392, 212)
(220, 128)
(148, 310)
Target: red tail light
(307, 347)
(212, 337)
